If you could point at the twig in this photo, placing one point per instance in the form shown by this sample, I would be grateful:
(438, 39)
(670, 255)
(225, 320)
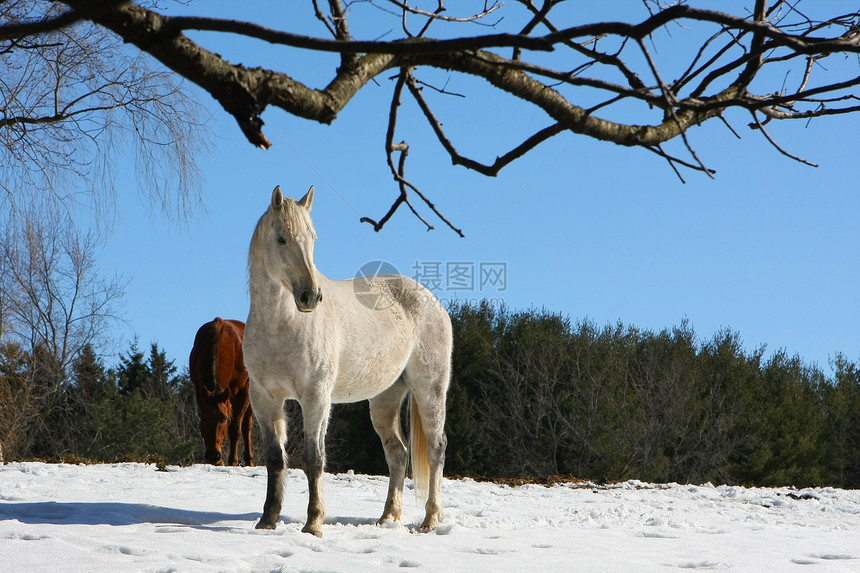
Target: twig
(458, 159)
(754, 63)
(437, 14)
(399, 171)
(776, 145)
(727, 124)
(600, 57)
(641, 92)
(441, 90)
(322, 18)
(671, 160)
(671, 102)
(402, 198)
(658, 150)
(539, 17)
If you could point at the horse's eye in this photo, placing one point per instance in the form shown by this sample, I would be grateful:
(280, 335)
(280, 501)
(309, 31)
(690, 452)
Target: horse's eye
(280, 239)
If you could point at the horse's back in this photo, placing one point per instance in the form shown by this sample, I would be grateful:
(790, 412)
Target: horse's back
(228, 338)
(229, 359)
(218, 348)
(402, 293)
(400, 322)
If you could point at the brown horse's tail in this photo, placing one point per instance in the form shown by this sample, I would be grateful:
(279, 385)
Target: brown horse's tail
(201, 362)
(211, 382)
(418, 448)
(221, 360)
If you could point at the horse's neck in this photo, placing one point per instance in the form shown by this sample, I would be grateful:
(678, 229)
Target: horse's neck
(270, 301)
(266, 294)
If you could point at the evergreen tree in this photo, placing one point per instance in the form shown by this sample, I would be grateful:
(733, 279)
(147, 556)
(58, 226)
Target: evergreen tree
(71, 423)
(88, 377)
(135, 417)
(841, 406)
(160, 380)
(469, 448)
(15, 406)
(531, 395)
(132, 370)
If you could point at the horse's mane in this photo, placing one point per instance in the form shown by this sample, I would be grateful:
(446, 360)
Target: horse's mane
(256, 243)
(296, 219)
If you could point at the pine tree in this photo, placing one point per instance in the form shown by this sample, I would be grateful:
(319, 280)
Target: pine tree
(132, 371)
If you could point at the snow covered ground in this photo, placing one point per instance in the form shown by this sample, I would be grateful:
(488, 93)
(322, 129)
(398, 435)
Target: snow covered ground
(131, 517)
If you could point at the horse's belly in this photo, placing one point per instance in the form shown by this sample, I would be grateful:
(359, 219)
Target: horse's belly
(363, 377)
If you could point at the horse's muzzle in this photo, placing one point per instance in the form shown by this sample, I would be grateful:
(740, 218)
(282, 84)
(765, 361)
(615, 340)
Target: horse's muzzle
(308, 299)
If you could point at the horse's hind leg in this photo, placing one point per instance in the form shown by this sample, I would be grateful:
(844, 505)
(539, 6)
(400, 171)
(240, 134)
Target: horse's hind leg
(233, 434)
(429, 399)
(315, 416)
(273, 428)
(385, 415)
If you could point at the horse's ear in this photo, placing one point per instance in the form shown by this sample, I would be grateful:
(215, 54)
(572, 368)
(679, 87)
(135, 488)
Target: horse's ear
(277, 198)
(308, 199)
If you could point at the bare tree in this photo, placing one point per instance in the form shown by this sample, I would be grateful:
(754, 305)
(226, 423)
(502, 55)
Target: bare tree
(52, 292)
(54, 305)
(590, 78)
(71, 98)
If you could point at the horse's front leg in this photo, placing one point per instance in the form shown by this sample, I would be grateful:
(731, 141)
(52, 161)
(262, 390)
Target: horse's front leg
(247, 426)
(315, 416)
(273, 426)
(276, 462)
(243, 417)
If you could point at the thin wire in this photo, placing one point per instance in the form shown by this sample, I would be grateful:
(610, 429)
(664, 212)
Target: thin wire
(524, 191)
(324, 180)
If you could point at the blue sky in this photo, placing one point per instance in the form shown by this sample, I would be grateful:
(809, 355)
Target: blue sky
(769, 248)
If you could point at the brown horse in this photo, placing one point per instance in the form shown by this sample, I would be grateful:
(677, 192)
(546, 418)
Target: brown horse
(218, 372)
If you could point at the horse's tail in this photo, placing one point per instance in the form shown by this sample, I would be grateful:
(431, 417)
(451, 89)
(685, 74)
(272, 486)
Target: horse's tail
(201, 361)
(418, 448)
(217, 325)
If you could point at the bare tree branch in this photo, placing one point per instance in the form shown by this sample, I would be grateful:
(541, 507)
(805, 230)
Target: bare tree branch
(67, 97)
(457, 159)
(776, 145)
(399, 172)
(571, 72)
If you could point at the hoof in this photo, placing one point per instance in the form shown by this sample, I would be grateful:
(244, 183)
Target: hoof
(316, 531)
(265, 525)
(430, 523)
(387, 518)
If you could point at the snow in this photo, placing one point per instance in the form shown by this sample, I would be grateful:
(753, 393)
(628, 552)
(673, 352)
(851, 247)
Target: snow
(133, 517)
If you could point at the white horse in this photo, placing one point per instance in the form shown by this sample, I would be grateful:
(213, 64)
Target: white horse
(321, 341)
